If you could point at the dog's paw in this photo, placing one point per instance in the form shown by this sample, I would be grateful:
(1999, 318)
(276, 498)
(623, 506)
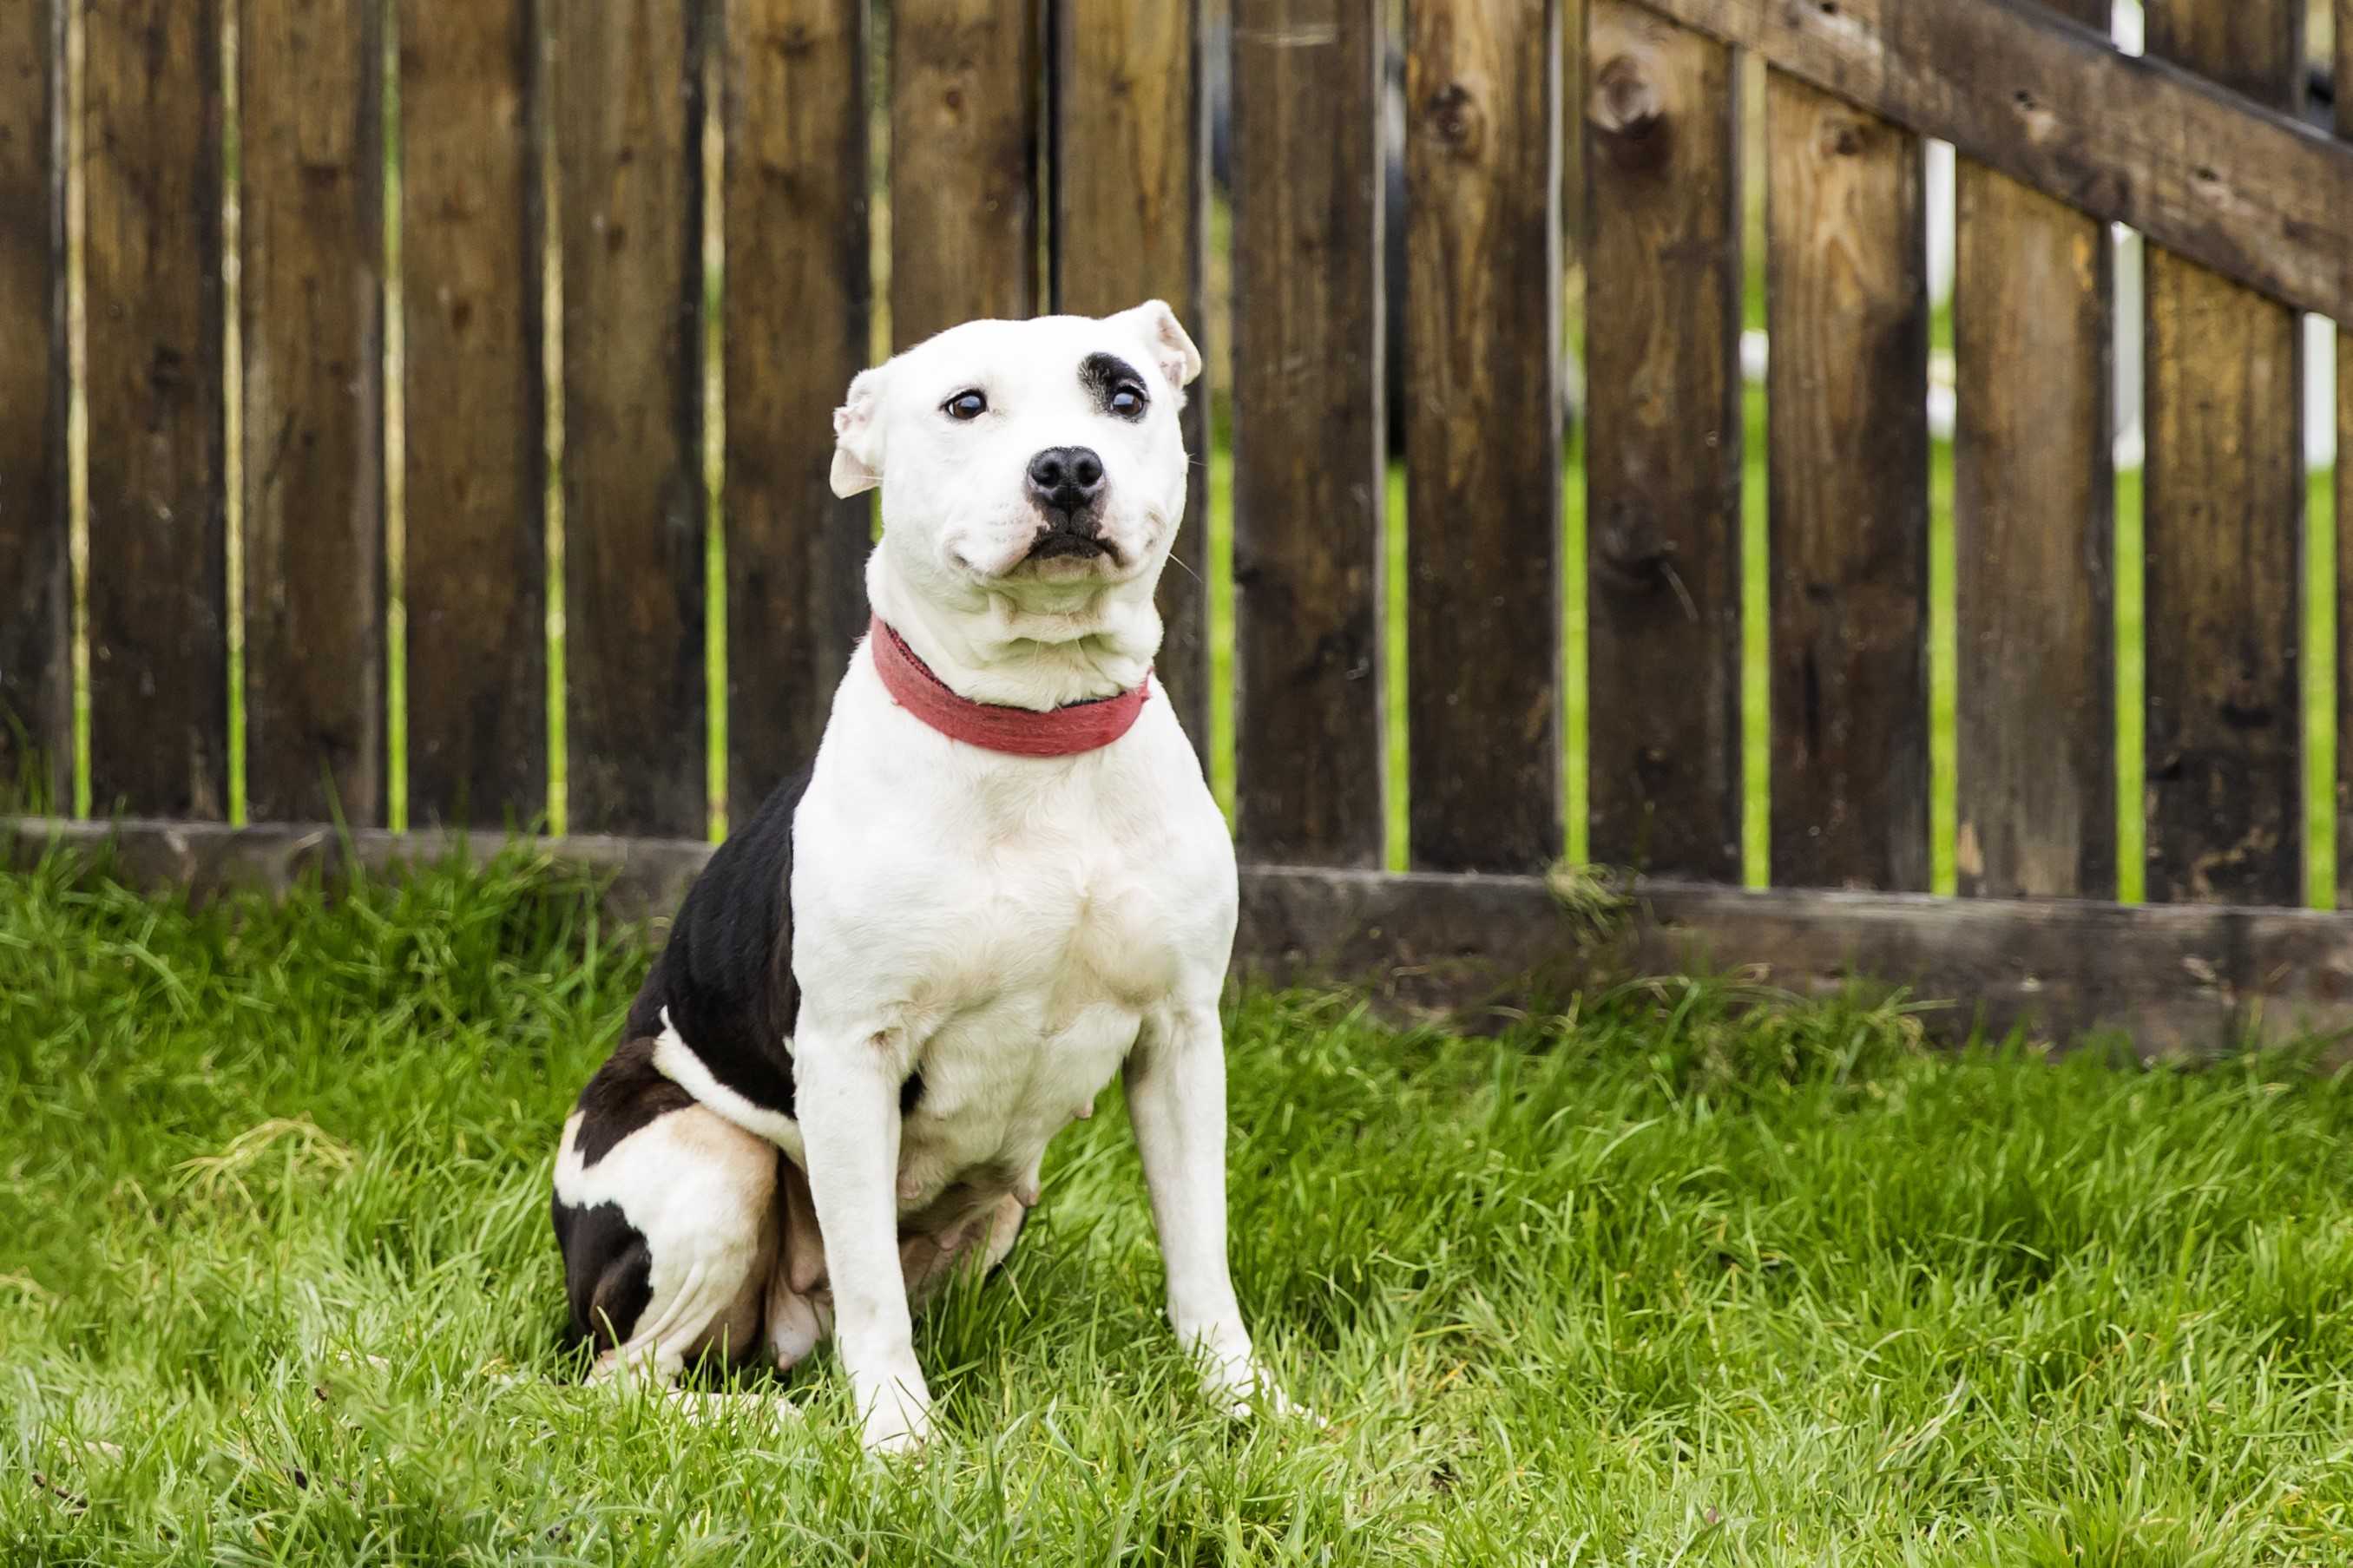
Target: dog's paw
(1243, 1388)
(897, 1422)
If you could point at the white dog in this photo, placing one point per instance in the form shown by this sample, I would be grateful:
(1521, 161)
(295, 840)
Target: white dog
(1002, 879)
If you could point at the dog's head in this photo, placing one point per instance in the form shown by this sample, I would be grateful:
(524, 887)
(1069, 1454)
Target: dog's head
(1013, 453)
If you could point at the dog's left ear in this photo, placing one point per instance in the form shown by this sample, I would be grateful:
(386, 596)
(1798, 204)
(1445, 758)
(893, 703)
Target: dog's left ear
(858, 437)
(1172, 350)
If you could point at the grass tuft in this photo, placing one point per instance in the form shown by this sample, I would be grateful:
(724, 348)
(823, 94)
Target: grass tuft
(1694, 1273)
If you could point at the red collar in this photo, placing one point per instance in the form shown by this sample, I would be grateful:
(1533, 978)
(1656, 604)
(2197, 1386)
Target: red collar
(1020, 731)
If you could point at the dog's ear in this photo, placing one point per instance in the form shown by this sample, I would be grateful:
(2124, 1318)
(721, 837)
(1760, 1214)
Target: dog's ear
(858, 437)
(1172, 350)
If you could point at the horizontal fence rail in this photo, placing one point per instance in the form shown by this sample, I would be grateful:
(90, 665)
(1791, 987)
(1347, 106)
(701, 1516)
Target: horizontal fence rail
(417, 414)
(2177, 982)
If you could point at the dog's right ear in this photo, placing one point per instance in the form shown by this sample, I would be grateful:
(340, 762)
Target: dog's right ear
(858, 437)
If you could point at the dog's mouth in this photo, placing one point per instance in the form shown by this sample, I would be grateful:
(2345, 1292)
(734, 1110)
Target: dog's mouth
(1058, 544)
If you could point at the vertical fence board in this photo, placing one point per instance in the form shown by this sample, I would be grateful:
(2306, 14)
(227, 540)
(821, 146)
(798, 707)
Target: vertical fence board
(964, 157)
(1848, 309)
(1307, 430)
(2033, 513)
(627, 105)
(1663, 445)
(36, 675)
(1483, 433)
(797, 274)
(474, 414)
(311, 238)
(1130, 223)
(158, 575)
(2224, 504)
(2343, 76)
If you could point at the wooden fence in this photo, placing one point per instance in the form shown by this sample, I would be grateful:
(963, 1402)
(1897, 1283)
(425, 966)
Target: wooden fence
(261, 514)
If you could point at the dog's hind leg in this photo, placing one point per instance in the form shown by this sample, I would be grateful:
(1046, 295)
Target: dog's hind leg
(799, 1308)
(667, 1225)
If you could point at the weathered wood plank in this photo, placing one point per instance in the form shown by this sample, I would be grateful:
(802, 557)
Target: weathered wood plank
(625, 81)
(963, 162)
(1847, 305)
(2180, 980)
(1131, 222)
(797, 274)
(1482, 434)
(1663, 446)
(36, 666)
(312, 260)
(2344, 80)
(1307, 430)
(2033, 514)
(2247, 190)
(2223, 527)
(475, 414)
(158, 563)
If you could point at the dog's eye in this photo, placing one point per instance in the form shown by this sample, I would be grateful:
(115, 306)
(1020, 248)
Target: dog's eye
(1127, 401)
(965, 405)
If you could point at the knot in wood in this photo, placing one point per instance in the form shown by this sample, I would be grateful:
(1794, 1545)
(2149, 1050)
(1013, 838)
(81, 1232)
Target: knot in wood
(1454, 115)
(1627, 104)
(1844, 138)
(1634, 549)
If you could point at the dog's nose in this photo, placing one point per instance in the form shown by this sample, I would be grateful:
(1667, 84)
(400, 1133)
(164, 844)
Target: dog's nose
(1066, 480)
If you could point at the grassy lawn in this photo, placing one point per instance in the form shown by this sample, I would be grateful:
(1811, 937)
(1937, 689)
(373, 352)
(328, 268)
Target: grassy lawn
(1654, 1282)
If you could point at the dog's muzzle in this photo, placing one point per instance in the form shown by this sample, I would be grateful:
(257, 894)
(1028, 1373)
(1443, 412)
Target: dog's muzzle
(1066, 484)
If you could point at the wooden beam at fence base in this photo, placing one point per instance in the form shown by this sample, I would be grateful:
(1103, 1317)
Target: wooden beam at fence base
(2180, 980)
(626, 80)
(2225, 507)
(1482, 434)
(475, 415)
(2033, 515)
(36, 667)
(311, 196)
(2249, 191)
(1847, 304)
(1663, 448)
(964, 163)
(158, 577)
(1131, 222)
(798, 302)
(1308, 471)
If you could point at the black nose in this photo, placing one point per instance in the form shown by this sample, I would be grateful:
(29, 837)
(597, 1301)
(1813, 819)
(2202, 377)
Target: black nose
(1066, 480)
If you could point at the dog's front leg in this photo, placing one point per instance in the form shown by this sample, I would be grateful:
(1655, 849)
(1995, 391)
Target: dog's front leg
(1176, 1080)
(847, 1103)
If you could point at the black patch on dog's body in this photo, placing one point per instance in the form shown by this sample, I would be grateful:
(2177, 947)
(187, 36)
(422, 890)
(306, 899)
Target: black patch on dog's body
(625, 1094)
(725, 977)
(608, 1272)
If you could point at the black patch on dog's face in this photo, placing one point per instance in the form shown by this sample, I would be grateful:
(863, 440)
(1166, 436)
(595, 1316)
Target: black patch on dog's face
(1104, 373)
(608, 1272)
(625, 1094)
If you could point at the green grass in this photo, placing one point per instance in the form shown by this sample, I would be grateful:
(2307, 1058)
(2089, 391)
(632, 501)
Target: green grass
(1658, 1281)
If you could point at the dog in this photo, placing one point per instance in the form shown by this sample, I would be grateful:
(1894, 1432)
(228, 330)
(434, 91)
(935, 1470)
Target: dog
(1002, 880)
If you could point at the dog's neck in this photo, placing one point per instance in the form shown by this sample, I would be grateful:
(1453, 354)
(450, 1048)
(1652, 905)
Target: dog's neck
(1039, 645)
